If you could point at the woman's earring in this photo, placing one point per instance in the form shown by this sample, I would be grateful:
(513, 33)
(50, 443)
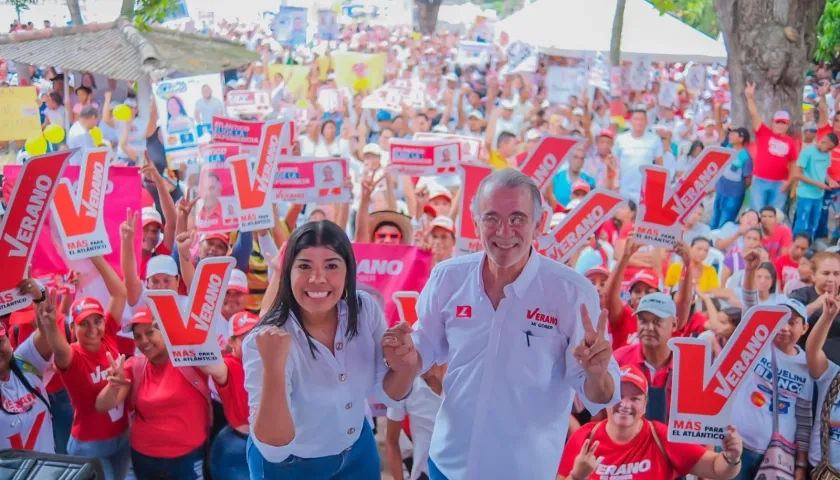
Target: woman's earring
(344, 295)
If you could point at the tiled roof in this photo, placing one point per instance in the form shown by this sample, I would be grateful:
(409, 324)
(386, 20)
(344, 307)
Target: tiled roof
(120, 51)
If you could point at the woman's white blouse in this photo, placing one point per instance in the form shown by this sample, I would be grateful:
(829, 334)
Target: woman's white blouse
(326, 394)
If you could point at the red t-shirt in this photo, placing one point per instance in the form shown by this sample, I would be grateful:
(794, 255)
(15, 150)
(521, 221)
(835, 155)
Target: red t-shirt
(170, 415)
(786, 270)
(694, 327)
(24, 322)
(774, 153)
(609, 233)
(144, 261)
(633, 355)
(84, 379)
(638, 459)
(233, 395)
(779, 239)
(625, 329)
(834, 167)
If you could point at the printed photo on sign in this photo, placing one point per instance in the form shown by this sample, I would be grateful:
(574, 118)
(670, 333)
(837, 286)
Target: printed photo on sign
(28, 205)
(311, 180)
(470, 147)
(79, 209)
(186, 107)
(216, 206)
(186, 331)
(702, 395)
(447, 158)
(327, 25)
(424, 158)
(289, 26)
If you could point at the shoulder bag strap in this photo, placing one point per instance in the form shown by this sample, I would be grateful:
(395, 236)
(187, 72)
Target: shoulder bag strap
(825, 416)
(776, 402)
(15, 367)
(659, 444)
(198, 382)
(138, 371)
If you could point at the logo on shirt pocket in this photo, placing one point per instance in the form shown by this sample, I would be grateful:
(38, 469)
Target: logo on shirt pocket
(463, 311)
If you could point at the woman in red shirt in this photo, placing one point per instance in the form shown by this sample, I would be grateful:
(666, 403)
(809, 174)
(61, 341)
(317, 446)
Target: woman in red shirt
(172, 413)
(226, 455)
(628, 444)
(82, 367)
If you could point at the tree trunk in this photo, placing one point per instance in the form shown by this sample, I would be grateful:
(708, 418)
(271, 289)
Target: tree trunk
(75, 12)
(617, 28)
(427, 15)
(127, 9)
(771, 43)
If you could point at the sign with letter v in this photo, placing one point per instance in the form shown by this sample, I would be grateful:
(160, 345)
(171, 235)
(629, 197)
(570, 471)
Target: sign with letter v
(547, 158)
(187, 328)
(253, 183)
(79, 211)
(27, 209)
(703, 392)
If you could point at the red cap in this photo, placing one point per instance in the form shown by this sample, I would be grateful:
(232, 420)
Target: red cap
(218, 236)
(607, 132)
(646, 276)
(579, 185)
(597, 269)
(242, 323)
(85, 307)
(632, 375)
(143, 316)
(430, 210)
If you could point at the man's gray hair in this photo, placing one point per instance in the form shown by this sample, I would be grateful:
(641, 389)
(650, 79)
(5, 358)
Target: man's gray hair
(507, 178)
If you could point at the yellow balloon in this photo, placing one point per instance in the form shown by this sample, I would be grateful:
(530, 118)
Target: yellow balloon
(361, 84)
(54, 134)
(122, 113)
(96, 135)
(36, 146)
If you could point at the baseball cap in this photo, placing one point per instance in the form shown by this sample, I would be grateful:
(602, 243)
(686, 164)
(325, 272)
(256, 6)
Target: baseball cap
(444, 222)
(508, 104)
(556, 218)
(477, 114)
(241, 323)
(797, 307)
(151, 215)
(85, 307)
(579, 185)
(633, 375)
(218, 236)
(658, 304)
(597, 270)
(810, 127)
(383, 116)
(161, 264)
(607, 132)
(781, 116)
(647, 277)
(143, 316)
(437, 190)
(532, 134)
(372, 148)
(238, 281)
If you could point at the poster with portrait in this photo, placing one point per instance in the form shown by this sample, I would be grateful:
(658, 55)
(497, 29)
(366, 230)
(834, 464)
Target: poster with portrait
(311, 180)
(186, 107)
(470, 146)
(424, 158)
(289, 26)
(215, 211)
(640, 73)
(327, 25)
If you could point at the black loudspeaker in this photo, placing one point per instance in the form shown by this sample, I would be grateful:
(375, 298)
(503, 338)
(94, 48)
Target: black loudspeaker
(27, 465)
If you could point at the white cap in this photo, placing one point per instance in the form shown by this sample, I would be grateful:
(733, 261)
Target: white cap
(477, 114)
(438, 190)
(508, 104)
(372, 148)
(532, 134)
(164, 264)
(151, 215)
(440, 128)
(798, 308)
(238, 282)
(444, 222)
(658, 304)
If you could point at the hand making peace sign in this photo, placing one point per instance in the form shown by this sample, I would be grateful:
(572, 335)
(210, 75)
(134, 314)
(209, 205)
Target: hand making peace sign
(595, 351)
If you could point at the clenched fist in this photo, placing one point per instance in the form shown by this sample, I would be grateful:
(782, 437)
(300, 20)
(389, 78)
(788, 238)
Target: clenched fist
(273, 345)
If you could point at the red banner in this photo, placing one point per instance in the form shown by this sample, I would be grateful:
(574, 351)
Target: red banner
(547, 158)
(385, 270)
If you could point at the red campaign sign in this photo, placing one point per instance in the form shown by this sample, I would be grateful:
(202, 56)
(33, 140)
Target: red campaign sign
(384, 271)
(406, 303)
(422, 158)
(547, 158)
(664, 208)
(253, 183)
(702, 395)
(240, 132)
(581, 223)
(28, 207)
(467, 241)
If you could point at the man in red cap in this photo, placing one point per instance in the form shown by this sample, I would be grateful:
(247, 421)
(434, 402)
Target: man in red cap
(600, 162)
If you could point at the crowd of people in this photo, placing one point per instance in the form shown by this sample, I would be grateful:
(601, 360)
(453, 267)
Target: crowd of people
(519, 366)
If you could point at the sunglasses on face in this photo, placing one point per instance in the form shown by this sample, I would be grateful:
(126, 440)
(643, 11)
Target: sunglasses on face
(388, 236)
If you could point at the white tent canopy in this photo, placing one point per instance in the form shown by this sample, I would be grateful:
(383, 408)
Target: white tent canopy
(573, 27)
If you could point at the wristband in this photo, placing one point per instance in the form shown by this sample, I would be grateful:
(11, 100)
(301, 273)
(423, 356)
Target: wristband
(726, 459)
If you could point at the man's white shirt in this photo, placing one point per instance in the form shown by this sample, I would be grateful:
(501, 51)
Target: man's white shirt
(511, 375)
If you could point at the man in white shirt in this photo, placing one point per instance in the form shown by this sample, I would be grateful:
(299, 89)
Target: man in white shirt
(208, 106)
(79, 134)
(517, 333)
(633, 149)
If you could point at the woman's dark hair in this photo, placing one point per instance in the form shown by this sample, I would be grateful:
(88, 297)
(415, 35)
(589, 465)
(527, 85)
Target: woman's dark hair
(56, 97)
(325, 123)
(772, 270)
(734, 315)
(696, 144)
(695, 240)
(743, 133)
(314, 234)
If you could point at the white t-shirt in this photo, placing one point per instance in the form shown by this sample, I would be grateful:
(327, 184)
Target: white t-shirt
(815, 451)
(631, 153)
(422, 407)
(207, 109)
(29, 426)
(307, 146)
(79, 137)
(751, 412)
(338, 148)
(136, 135)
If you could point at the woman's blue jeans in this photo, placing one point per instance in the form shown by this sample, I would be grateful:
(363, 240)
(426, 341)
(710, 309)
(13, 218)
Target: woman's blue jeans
(62, 411)
(227, 456)
(112, 453)
(359, 462)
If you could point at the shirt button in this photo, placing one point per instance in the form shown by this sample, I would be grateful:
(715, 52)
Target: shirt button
(351, 431)
(339, 345)
(348, 406)
(342, 377)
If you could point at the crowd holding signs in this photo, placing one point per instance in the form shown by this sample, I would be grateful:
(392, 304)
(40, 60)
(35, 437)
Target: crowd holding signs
(464, 237)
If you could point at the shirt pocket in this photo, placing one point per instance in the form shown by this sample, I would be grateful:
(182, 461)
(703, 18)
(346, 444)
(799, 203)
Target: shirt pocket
(536, 360)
